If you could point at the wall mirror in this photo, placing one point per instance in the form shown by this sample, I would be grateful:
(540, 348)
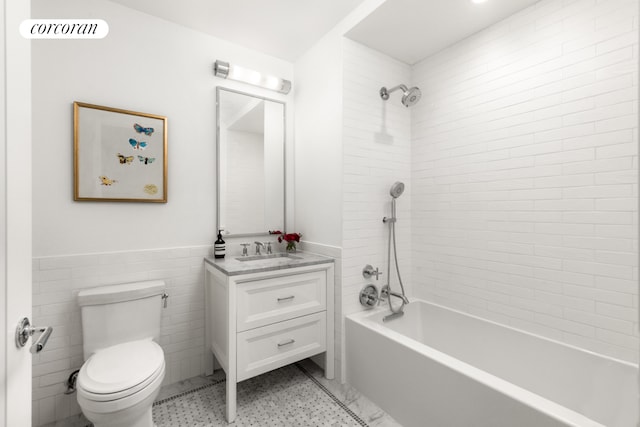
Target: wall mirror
(251, 163)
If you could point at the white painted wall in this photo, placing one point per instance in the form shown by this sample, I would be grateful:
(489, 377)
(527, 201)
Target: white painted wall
(144, 64)
(525, 171)
(318, 146)
(149, 65)
(318, 134)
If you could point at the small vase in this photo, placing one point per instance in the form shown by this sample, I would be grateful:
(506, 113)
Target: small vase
(291, 248)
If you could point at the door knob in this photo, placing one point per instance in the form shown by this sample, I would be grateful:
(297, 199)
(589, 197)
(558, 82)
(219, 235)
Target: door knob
(24, 330)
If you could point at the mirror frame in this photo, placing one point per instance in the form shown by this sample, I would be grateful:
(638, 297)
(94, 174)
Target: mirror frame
(284, 160)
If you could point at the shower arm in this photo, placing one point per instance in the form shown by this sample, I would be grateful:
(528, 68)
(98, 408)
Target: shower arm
(384, 92)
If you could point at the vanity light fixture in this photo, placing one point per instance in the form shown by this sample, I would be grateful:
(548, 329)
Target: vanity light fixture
(235, 72)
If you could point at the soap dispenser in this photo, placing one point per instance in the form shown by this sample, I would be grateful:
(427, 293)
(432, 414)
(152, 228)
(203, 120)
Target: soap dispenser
(219, 246)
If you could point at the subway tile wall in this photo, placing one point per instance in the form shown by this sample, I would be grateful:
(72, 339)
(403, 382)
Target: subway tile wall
(525, 174)
(56, 282)
(376, 153)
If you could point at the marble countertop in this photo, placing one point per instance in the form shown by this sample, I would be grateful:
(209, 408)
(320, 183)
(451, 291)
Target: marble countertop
(232, 266)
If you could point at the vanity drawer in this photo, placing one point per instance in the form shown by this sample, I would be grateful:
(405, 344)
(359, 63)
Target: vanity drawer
(264, 349)
(266, 301)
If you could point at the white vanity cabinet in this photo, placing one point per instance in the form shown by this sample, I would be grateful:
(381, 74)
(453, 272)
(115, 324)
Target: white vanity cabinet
(266, 316)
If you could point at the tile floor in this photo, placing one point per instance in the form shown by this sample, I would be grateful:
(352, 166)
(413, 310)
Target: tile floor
(355, 407)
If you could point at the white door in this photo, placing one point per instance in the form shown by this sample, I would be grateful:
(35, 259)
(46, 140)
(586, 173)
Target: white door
(15, 213)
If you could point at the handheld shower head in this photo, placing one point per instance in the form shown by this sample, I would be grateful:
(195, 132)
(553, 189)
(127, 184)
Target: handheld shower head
(396, 189)
(410, 96)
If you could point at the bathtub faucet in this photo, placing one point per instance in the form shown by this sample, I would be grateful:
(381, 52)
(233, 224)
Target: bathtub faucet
(386, 291)
(384, 294)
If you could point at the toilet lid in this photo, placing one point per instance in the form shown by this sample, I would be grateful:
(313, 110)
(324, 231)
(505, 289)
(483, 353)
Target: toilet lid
(121, 367)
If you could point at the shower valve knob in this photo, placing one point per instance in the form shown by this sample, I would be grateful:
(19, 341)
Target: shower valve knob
(368, 272)
(369, 296)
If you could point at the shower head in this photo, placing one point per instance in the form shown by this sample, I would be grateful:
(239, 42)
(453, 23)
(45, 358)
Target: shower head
(396, 189)
(410, 96)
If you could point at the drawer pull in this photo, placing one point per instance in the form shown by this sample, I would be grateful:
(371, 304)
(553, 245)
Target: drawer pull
(286, 298)
(287, 342)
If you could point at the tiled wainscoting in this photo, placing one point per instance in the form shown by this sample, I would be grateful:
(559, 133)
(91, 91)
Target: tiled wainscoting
(56, 282)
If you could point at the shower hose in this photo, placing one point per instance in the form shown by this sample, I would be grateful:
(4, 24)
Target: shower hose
(392, 237)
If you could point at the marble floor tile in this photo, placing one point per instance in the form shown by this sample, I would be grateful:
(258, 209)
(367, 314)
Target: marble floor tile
(355, 401)
(260, 406)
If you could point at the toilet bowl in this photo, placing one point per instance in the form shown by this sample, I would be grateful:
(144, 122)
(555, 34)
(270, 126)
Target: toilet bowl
(124, 365)
(117, 385)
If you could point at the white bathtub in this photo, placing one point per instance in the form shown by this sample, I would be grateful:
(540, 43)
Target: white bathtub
(436, 367)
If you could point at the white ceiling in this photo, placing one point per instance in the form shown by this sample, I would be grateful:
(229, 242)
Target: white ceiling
(281, 28)
(411, 30)
(408, 30)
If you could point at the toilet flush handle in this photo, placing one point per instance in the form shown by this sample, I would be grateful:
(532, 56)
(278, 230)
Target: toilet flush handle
(165, 298)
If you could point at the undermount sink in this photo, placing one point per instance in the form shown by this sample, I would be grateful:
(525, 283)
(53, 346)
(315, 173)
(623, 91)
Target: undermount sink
(268, 256)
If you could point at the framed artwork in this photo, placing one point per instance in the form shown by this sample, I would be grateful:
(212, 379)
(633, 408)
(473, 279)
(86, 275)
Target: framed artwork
(118, 155)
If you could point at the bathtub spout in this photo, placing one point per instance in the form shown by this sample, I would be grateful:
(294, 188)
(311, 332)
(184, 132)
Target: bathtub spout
(392, 316)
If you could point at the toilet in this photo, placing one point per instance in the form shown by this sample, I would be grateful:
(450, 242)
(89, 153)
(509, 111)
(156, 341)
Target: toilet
(124, 364)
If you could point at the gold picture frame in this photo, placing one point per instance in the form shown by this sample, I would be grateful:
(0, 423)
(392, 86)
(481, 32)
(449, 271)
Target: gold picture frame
(118, 155)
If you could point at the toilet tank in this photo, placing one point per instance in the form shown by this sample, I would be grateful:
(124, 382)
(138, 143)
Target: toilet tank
(120, 313)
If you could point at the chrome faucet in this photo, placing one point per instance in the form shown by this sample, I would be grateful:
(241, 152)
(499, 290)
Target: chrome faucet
(403, 297)
(386, 291)
(384, 294)
(245, 252)
(269, 251)
(258, 245)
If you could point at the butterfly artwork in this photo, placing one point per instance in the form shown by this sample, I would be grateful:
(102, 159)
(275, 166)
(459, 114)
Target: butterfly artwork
(142, 129)
(146, 160)
(151, 189)
(125, 159)
(106, 181)
(137, 145)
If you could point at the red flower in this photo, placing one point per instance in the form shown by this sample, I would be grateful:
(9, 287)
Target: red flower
(290, 237)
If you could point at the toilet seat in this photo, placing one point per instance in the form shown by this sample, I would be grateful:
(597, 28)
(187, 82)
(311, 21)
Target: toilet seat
(132, 403)
(121, 370)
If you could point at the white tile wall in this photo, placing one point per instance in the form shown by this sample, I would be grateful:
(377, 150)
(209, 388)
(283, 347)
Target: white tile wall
(57, 281)
(376, 153)
(525, 171)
